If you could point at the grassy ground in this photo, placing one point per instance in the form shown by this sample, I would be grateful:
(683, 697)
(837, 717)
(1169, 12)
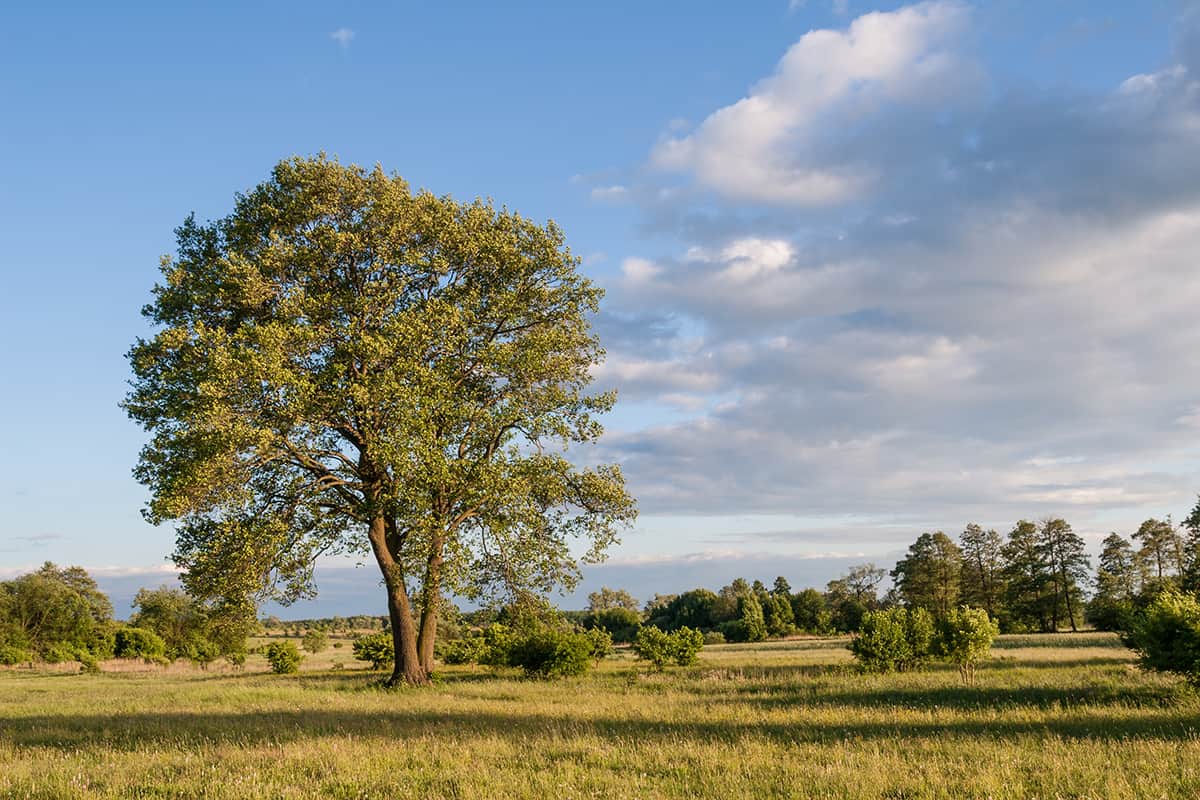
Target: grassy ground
(1064, 716)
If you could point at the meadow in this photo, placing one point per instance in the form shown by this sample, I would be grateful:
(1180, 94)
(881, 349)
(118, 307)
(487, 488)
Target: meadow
(1050, 716)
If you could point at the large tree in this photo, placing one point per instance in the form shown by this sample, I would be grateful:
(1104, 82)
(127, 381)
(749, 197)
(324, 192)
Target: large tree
(930, 575)
(344, 365)
(982, 569)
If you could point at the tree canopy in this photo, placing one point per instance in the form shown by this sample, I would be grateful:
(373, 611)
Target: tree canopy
(343, 365)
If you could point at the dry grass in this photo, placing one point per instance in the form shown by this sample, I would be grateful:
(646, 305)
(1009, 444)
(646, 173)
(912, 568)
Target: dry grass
(1049, 718)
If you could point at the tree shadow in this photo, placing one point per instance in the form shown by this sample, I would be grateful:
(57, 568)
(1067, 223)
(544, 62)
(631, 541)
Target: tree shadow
(133, 731)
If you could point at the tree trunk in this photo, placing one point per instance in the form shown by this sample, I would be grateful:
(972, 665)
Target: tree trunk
(407, 667)
(1070, 607)
(431, 599)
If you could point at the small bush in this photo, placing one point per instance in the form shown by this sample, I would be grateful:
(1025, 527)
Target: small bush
(88, 663)
(138, 643)
(1166, 635)
(283, 657)
(468, 650)
(602, 643)
(893, 639)
(550, 653)
(714, 637)
(58, 653)
(679, 647)
(315, 641)
(10, 655)
(966, 637)
(375, 648)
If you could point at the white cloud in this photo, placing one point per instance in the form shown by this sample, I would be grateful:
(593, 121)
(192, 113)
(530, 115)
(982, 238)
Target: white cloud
(343, 36)
(609, 193)
(774, 145)
(1001, 325)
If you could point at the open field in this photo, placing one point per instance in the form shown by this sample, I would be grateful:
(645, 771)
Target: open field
(1051, 716)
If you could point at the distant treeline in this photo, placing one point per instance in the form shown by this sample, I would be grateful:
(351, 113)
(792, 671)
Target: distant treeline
(1037, 577)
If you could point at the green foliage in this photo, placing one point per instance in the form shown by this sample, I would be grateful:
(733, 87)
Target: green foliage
(283, 656)
(548, 652)
(930, 575)
(10, 655)
(56, 613)
(315, 640)
(467, 650)
(602, 643)
(1166, 635)
(810, 612)
(714, 637)
(620, 623)
(344, 363)
(190, 628)
(680, 647)
(133, 642)
(965, 637)
(753, 625)
(694, 609)
(893, 639)
(378, 649)
(607, 599)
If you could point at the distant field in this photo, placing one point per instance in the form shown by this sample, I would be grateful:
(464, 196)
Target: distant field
(1062, 716)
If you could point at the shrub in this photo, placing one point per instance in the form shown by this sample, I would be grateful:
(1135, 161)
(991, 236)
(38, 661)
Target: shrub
(58, 653)
(602, 643)
(680, 647)
(966, 637)
(551, 653)
(893, 639)
(315, 641)
(10, 655)
(1166, 635)
(88, 663)
(283, 657)
(468, 650)
(138, 643)
(714, 637)
(376, 648)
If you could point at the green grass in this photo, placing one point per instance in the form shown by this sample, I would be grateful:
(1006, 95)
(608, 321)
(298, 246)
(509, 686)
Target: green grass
(1050, 717)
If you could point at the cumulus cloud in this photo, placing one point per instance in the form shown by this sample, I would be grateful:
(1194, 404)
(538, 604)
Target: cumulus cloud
(919, 296)
(790, 139)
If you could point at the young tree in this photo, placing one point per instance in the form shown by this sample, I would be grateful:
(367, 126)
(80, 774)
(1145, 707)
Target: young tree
(342, 365)
(930, 575)
(982, 569)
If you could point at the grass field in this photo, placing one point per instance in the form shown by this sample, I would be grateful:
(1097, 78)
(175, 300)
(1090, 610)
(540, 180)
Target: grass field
(1056, 716)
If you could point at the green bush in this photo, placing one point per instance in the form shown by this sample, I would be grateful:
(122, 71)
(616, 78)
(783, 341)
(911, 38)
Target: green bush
(965, 637)
(88, 663)
(602, 643)
(375, 648)
(283, 657)
(1166, 635)
(659, 648)
(714, 637)
(10, 655)
(548, 652)
(58, 653)
(138, 643)
(468, 650)
(893, 639)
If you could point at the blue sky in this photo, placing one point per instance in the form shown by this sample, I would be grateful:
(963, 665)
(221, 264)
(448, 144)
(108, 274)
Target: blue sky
(873, 269)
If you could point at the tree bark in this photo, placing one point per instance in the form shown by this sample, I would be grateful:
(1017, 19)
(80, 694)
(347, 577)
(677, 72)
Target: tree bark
(431, 599)
(407, 666)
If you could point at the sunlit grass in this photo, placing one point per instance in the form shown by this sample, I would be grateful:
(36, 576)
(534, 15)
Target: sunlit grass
(1071, 718)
